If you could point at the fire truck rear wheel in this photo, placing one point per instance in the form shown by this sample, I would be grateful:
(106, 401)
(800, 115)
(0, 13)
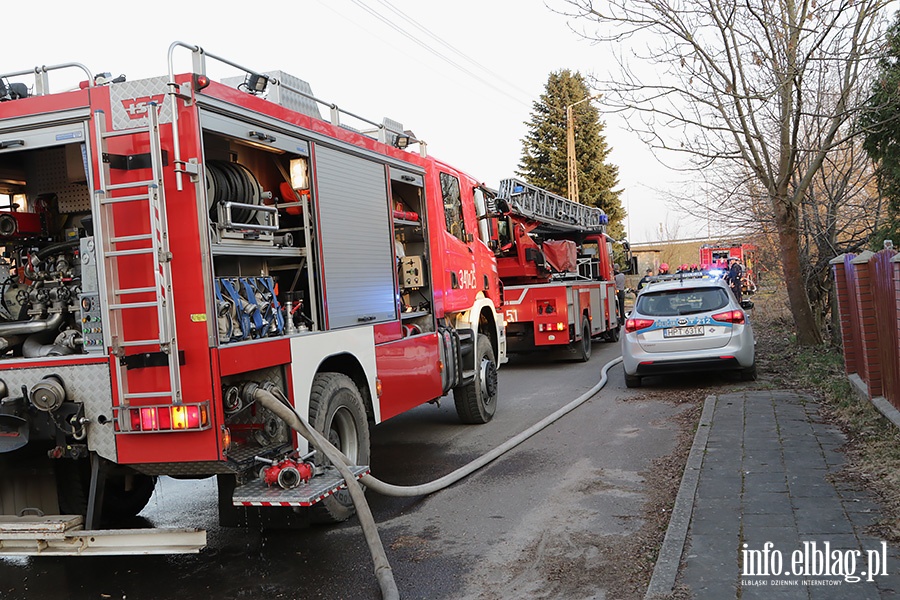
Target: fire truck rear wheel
(612, 335)
(583, 347)
(124, 496)
(476, 402)
(336, 410)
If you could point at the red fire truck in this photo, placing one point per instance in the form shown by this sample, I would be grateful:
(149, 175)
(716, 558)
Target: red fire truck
(714, 257)
(172, 246)
(555, 262)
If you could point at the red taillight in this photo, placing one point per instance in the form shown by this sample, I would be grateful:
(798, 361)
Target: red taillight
(632, 325)
(165, 417)
(135, 420)
(193, 417)
(148, 419)
(730, 316)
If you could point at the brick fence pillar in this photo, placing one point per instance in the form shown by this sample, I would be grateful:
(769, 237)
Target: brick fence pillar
(895, 264)
(870, 364)
(845, 311)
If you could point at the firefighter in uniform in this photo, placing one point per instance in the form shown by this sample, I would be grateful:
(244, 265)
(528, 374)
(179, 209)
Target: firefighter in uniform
(645, 279)
(733, 276)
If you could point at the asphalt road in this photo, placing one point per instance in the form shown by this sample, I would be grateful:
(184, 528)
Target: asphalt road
(530, 524)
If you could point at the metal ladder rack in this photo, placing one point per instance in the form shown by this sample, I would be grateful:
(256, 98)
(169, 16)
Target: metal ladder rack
(155, 246)
(556, 212)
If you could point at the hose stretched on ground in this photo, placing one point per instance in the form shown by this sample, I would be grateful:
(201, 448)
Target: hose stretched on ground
(383, 571)
(424, 489)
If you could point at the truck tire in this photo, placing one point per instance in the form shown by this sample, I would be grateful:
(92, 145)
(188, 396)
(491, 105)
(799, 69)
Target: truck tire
(612, 335)
(336, 411)
(476, 402)
(72, 486)
(583, 347)
(124, 496)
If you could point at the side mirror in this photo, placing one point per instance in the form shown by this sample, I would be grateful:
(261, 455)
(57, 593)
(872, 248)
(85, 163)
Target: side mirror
(747, 304)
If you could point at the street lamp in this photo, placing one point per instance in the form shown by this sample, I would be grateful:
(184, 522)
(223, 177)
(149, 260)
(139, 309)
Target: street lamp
(571, 161)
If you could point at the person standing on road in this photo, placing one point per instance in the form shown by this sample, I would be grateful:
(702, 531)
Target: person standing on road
(733, 275)
(620, 292)
(645, 279)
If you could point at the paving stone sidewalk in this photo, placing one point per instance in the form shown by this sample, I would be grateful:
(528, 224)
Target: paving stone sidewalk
(767, 515)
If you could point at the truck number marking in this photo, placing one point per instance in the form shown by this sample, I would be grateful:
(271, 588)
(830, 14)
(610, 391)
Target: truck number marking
(137, 107)
(512, 315)
(467, 279)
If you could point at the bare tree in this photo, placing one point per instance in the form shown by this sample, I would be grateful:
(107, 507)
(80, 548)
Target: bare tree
(731, 85)
(839, 213)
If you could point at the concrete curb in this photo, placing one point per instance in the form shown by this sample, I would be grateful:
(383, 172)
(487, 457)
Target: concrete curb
(662, 582)
(880, 402)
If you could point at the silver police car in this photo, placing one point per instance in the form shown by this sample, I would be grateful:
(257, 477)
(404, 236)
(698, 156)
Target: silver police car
(685, 323)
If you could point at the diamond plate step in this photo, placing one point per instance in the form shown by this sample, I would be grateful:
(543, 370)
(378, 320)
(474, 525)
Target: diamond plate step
(257, 493)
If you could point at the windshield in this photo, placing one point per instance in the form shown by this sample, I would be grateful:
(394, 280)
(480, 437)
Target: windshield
(681, 302)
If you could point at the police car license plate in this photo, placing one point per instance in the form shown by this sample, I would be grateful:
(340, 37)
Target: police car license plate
(683, 332)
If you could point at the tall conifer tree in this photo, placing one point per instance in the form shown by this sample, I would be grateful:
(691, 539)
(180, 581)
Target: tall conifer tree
(544, 148)
(881, 128)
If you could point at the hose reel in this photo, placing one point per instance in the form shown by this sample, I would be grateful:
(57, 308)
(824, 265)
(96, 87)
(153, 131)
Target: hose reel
(235, 202)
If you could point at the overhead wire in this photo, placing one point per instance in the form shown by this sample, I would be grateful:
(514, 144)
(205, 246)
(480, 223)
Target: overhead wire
(452, 48)
(437, 53)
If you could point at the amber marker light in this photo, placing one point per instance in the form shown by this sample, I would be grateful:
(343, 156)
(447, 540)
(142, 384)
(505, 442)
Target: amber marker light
(226, 439)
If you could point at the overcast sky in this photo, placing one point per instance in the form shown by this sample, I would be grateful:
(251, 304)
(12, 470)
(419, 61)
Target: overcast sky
(461, 75)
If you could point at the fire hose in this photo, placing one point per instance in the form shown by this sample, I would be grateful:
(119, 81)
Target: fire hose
(383, 571)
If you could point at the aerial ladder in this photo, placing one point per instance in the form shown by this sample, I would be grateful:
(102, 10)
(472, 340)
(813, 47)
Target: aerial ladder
(550, 212)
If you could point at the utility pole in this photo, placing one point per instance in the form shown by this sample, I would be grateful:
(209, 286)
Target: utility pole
(571, 160)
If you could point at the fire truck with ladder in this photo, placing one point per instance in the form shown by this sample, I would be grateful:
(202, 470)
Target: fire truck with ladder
(714, 257)
(174, 247)
(556, 264)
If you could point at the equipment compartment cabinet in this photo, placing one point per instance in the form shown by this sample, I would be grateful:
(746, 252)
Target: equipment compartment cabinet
(411, 248)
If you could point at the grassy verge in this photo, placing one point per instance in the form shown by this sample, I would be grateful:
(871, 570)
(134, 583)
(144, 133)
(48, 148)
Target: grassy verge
(873, 446)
